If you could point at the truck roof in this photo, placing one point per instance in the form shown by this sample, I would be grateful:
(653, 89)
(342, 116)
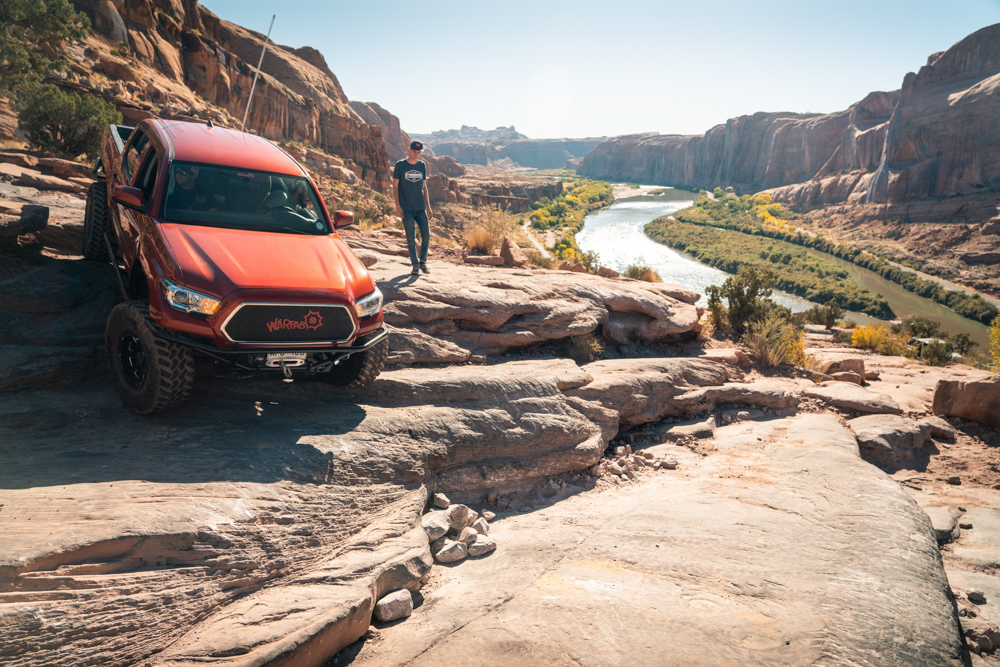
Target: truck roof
(195, 142)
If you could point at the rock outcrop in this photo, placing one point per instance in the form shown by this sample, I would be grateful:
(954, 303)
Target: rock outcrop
(775, 525)
(463, 312)
(975, 400)
(936, 137)
(512, 193)
(889, 440)
(200, 55)
(397, 141)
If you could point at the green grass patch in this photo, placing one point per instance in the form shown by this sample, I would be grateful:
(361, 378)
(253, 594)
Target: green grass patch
(797, 270)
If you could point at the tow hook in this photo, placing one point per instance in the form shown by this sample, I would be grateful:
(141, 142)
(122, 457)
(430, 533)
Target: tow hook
(286, 370)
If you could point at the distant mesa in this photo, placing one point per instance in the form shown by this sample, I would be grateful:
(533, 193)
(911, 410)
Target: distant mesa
(472, 135)
(506, 147)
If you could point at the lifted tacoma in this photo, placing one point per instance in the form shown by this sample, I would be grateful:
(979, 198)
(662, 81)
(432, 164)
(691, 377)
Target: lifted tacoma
(224, 248)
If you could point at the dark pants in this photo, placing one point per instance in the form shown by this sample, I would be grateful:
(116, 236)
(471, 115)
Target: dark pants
(420, 217)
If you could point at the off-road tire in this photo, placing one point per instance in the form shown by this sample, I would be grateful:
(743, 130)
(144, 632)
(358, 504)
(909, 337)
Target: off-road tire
(360, 368)
(167, 368)
(97, 222)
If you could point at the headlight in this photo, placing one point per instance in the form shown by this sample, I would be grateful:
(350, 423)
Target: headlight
(188, 301)
(369, 305)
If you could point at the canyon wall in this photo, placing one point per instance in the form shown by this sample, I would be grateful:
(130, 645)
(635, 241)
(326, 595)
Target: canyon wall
(297, 96)
(939, 136)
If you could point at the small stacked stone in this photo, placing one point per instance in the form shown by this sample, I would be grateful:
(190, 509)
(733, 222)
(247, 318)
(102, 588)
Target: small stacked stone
(457, 531)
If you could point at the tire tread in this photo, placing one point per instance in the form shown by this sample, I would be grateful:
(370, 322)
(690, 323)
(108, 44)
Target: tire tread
(96, 223)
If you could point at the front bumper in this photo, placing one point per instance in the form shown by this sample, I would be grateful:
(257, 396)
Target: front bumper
(333, 353)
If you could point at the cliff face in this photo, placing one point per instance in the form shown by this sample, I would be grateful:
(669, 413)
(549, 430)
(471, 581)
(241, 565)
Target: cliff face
(297, 96)
(939, 136)
(944, 135)
(749, 153)
(397, 141)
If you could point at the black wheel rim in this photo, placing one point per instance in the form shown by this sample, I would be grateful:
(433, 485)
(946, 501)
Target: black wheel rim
(132, 359)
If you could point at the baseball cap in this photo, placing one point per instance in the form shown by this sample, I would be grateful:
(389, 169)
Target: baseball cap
(416, 146)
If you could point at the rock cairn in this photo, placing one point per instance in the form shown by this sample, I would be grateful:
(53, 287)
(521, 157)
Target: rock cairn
(457, 531)
(624, 463)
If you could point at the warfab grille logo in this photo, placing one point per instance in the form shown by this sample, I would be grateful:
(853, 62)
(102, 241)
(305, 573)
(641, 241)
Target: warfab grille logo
(311, 320)
(413, 176)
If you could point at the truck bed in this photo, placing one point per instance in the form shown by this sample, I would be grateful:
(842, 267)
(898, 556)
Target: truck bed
(120, 134)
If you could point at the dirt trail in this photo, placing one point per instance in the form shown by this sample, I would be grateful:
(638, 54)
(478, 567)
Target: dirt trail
(526, 228)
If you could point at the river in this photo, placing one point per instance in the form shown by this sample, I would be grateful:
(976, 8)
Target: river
(616, 234)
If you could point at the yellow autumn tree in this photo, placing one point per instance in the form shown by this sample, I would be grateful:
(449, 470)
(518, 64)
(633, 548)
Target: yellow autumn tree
(995, 345)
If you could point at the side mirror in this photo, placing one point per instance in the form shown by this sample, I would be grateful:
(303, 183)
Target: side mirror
(342, 218)
(128, 196)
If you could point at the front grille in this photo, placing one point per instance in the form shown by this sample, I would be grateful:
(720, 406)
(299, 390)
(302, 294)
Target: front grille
(289, 323)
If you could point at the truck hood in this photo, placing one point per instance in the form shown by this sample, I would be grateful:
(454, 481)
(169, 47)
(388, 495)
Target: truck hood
(220, 261)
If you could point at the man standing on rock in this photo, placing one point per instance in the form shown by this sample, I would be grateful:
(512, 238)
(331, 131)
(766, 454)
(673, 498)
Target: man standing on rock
(413, 204)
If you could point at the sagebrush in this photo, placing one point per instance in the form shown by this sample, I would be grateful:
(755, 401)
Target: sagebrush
(485, 234)
(584, 349)
(774, 341)
(642, 272)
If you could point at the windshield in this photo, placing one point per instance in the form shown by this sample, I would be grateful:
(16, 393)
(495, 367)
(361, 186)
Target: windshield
(201, 194)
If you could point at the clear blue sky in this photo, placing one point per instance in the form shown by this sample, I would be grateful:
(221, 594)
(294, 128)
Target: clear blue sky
(574, 69)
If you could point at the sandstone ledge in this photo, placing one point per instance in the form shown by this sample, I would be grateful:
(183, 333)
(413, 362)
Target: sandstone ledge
(459, 312)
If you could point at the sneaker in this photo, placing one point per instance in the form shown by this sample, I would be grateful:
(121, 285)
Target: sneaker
(415, 272)
(423, 267)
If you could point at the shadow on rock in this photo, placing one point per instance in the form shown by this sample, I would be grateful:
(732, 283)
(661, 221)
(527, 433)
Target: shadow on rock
(232, 430)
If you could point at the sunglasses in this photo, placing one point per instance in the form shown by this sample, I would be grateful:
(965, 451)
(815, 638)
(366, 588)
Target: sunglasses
(181, 171)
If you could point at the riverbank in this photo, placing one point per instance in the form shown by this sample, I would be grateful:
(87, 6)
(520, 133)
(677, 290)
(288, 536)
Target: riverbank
(616, 233)
(796, 270)
(754, 216)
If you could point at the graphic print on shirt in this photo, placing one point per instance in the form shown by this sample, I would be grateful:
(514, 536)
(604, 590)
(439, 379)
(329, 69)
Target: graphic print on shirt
(413, 176)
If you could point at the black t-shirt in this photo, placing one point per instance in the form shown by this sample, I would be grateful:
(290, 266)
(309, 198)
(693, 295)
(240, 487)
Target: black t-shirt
(411, 184)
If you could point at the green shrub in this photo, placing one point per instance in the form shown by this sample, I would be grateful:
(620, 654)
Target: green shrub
(936, 353)
(716, 308)
(826, 315)
(590, 260)
(963, 344)
(27, 23)
(60, 122)
(748, 295)
(919, 327)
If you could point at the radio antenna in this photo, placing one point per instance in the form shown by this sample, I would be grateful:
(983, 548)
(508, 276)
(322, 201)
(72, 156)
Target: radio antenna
(257, 74)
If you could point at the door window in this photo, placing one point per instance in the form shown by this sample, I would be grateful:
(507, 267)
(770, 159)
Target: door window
(131, 158)
(146, 180)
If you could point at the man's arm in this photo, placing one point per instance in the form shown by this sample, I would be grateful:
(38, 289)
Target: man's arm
(395, 197)
(427, 201)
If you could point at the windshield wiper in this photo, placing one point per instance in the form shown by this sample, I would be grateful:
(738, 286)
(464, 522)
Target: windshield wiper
(279, 228)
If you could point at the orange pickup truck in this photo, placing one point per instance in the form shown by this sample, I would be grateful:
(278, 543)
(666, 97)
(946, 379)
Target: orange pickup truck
(224, 248)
